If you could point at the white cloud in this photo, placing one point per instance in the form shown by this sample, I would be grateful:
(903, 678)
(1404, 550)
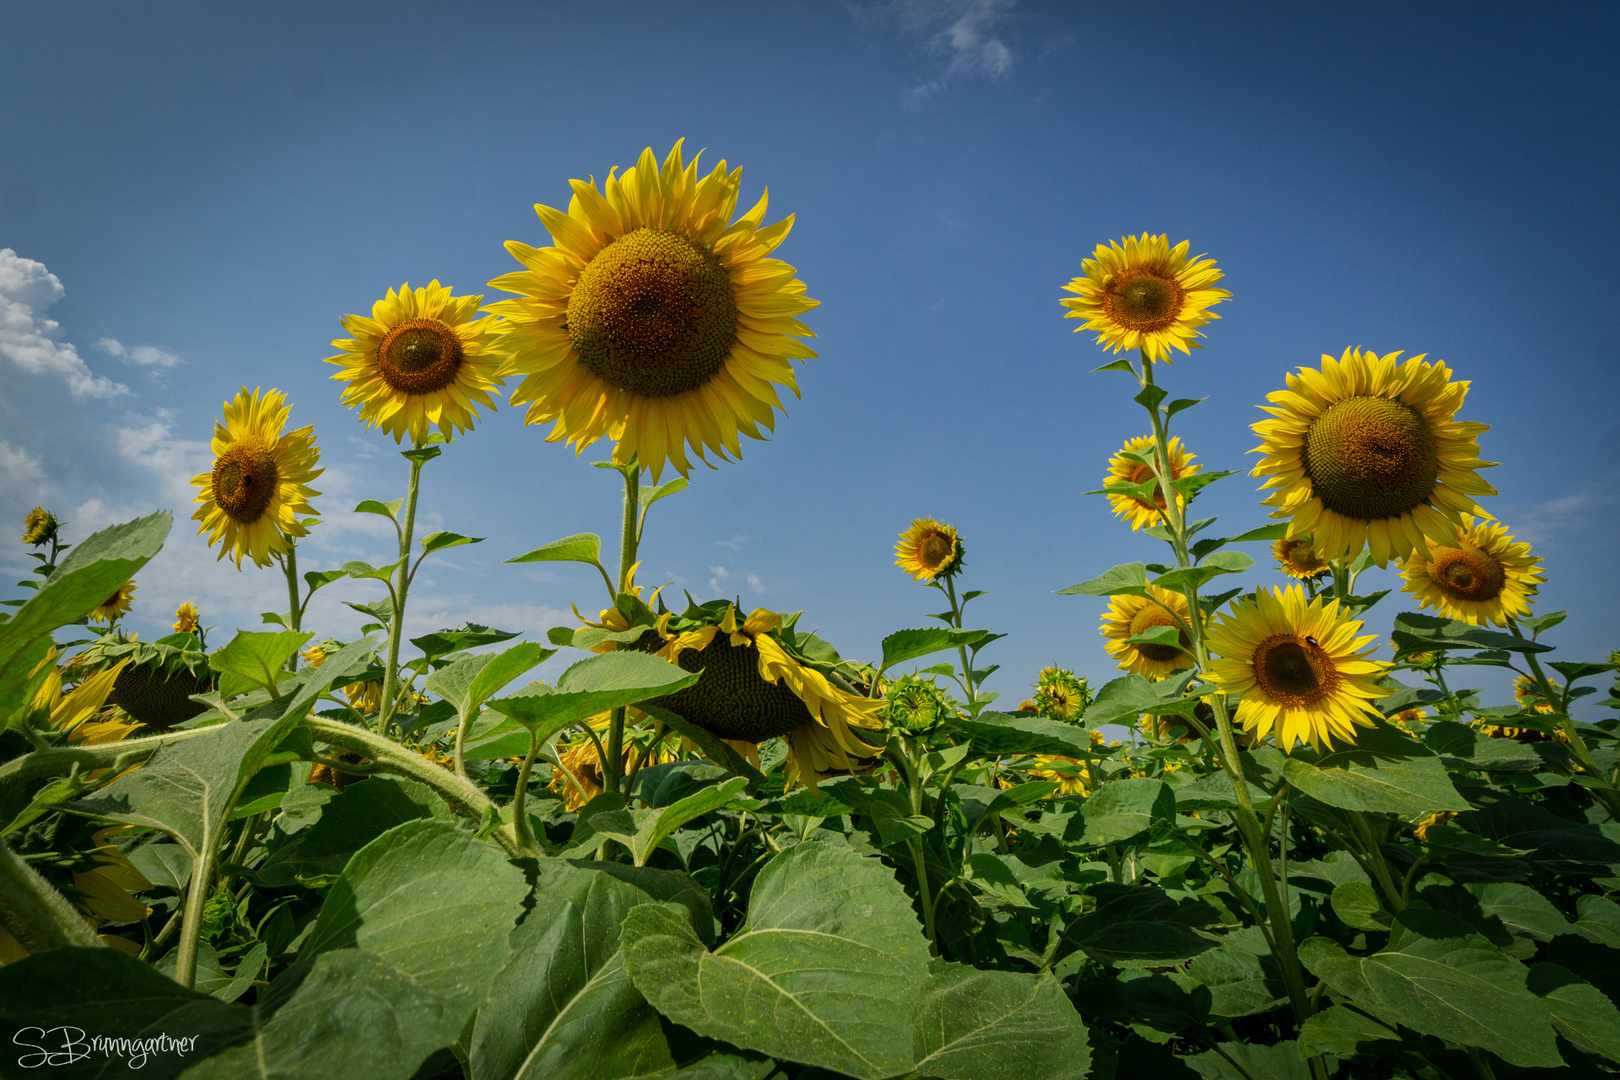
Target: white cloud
(720, 575)
(963, 31)
(21, 468)
(145, 355)
(29, 340)
(1545, 523)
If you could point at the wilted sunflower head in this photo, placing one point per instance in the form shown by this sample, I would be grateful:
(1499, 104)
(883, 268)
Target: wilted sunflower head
(929, 550)
(1298, 559)
(116, 604)
(186, 619)
(252, 500)
(1365, 453)
(1142, 293)
(916, 704)
(655, 319)
(422, 360)
(1061, 695)
(39, 526)
(1136, 511)
(1481, 576)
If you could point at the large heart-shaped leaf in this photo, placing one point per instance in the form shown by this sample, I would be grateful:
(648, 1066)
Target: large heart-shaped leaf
(824, 972)
(997, 1025)
(1384, 771)
(609, 681)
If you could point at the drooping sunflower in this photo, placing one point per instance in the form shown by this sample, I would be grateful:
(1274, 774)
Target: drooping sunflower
(655, 320)
(1061, 695)
(1141, 292)
(929, 550)
(116, 604)
(186, 619)
(1299, 667)
(1128, 616)
(1299, 560)
(1366, 453)
(1121, 470)
(1480, 576)
(253, 497)
(39, 525)
(421, 360)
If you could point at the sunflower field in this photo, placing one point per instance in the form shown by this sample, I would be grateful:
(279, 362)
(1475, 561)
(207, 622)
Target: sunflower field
(1270, 846)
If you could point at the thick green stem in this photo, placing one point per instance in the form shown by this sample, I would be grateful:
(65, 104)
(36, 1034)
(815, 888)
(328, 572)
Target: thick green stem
(294, 613)
(968, 684)
(202, 876)
(520, 816)
(396, 628)
(613, 765)
(33, 912)
(64, 760)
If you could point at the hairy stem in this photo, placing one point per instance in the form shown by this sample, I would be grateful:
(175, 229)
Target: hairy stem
(34, 912)
(396, 627)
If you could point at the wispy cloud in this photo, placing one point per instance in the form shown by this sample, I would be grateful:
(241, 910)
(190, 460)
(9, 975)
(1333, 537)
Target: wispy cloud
(1545, 523)
(144, 355)
(29, 340)
(966, 34)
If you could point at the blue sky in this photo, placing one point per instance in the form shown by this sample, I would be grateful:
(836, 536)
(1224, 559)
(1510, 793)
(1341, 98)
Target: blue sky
(192, 195)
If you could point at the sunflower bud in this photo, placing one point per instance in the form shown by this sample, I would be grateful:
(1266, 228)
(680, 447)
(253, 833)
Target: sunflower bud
(917, 705)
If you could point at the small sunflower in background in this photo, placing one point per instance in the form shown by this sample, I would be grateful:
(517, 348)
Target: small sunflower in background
(580, 778)
(1299, 560)
(251, 500)
(1527, 692)
(186, 619)
(929, 550)
(656, 320)
(116, 604)
(1071, 774)
(39, 526)
(1142, 293)
(1481, 576)
(421, 360)
(1061, 695)
(1121, 470)
(1367, 453)
(1127, 616)
(1299, 666)
(1411, 721)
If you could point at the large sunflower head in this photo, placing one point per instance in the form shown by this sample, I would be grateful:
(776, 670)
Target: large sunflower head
(252, 499)
(1127, 616)
(116, 604)
(1061, 695)
(758, 683)
(1299, 667)
(421, 360)
(1481, 576)
(1299, 560)
(39, 527)
(655, 319)
(929, 550)
(1142, 293)
(1366, 453)
(1122, 470)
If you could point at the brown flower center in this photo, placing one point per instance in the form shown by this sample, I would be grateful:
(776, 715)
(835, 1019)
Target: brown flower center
(1144, 475)
(419, 356)
(653, 313)
(1302, 557)
(1143, 300)
(1371, 458)
(1149, 617)
(1467, 573)
(732, 699)
(245, 478)
(1294, 671)
(935, 550)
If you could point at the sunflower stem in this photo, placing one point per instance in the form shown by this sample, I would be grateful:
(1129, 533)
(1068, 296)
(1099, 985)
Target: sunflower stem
(1566, 724)
(961, 649)
(520, 816)
(613, 762)
(202, 878)
(396, 628)
(1257, 842)
(294, 612)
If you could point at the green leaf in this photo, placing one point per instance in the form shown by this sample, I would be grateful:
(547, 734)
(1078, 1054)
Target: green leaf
(1356, 904)
(1124, 809)
(389, 510)
(1157, 635)
(1597, 918)
(714, 748)
(319, 579)
(1462, 747)
(825, 972)
(1222, 562)
(473, 679)
(1139, 924)
(1179, 404)
(1251, 1061)
(643, 830)
(430, 900)
(903, 645)
(423, 455)
(581, 548)
(1419, 633)
(1126, 579)
(1129, 696)
(648, 496)
(360, 569)
(254, 661)
(1547, 621)
(995, 733)
(1458, 989)
(1573, 670)
(1340, 1029)
(563, 1004)
(997, 1025)
(1116, 365)
(440, 540)
(1266, 532)
(595, 684)
(1384, 771)
(471, 636)
(1523, 910)
(352, 819)
(1150, 396)
(1581, 1012)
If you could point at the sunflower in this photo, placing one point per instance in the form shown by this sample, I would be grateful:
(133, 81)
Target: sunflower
(1410, 720)
(39, 526)
(1121, 470)
(929, 550)
(1480, 576)
(1365, 452)
(75, 712)
(655, 320)
(1299, 560)
(185, 619)
(916, 704)
(252, 498)
(116, 604)
(105, 889)
(1060, 695)
(1527, 692)
(756, 685)
(1141, 292)
(1299, 666)
(1128, 616)
(580, 779)
(1071, 774)
(421, 360)
(1441, 817)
